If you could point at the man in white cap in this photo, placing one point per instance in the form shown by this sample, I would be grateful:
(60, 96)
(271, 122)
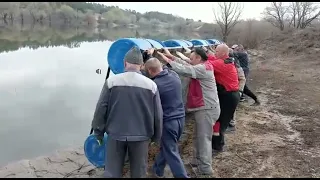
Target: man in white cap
(243, 58)
(234, 47)
(129, 111)
(242, 82)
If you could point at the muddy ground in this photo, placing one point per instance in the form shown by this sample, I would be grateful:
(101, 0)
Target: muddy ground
(280, 138)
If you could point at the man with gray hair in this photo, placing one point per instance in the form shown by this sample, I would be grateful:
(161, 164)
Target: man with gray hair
(129, 111)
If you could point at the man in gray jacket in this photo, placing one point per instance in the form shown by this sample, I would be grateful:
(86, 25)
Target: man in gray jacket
(202, 99)
(129, 111)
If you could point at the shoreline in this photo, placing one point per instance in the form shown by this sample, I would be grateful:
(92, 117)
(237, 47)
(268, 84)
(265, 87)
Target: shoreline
(67, 163)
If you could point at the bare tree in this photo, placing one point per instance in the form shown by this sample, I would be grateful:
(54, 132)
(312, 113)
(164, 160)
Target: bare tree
(302, 14)
(4, 6)
(276, 14)
(13, 10)
(227, 15)
(67, 13)
(23, 11)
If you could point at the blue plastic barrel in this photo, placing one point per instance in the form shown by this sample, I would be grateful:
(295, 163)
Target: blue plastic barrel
(208, 42)
(94, 152)
(156, 43)
(199, 42)
(188, 43)
(118, 50)
(213, 41)
(174, 43)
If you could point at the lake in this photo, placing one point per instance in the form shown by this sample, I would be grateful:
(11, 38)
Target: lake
(49, 87)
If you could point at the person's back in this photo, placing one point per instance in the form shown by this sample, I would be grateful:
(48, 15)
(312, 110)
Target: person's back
(228, 91)
(243, 60)
(129, 111)
(226, 75)
(241, 76)
(131, 107)
(202, 100)
(242, 82)
(208, 86)
(170, 88)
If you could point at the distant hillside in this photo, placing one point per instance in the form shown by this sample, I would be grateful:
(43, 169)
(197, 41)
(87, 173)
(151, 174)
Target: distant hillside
(92, 14)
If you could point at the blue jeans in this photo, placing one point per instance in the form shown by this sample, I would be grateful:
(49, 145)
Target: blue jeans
(169, 150)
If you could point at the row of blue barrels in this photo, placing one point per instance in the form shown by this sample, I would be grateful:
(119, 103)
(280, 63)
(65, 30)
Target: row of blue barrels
(120, 47)
(95, 152)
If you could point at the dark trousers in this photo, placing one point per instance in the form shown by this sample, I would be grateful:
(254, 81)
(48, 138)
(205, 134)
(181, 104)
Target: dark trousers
(246, 90)
(228, 105)
(249, 93)
(169, 150)
(115, 155)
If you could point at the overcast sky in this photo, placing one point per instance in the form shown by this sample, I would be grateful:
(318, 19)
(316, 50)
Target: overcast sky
(194, 10)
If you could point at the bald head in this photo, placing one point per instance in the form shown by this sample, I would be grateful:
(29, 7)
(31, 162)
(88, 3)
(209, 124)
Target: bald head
(222, 51)
(153, 67)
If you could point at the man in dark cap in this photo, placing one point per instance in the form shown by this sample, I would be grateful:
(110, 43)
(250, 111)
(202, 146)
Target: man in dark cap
(202, 99)
(129, 111)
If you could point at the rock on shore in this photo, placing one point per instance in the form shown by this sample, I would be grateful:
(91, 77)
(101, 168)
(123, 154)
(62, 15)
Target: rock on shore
(63, 164)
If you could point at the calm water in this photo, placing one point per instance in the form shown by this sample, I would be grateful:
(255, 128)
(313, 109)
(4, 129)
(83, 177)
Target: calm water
(49, 88)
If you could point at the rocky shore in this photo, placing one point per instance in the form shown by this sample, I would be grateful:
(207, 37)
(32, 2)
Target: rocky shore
(69, 163)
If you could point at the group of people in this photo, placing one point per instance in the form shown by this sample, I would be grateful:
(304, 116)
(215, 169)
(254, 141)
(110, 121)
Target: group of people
(144, 105)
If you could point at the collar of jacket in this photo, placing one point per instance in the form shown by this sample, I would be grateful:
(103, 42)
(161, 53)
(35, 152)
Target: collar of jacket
(229, 60)
(162, 73)
(132, 70)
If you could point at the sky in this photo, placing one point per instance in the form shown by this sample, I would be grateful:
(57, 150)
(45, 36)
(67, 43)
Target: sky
(193, 10)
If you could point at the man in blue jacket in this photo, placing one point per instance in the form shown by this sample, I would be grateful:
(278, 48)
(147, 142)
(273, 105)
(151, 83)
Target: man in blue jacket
(170, 90)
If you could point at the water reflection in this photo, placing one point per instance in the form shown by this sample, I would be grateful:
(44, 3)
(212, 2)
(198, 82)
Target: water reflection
(49, 86)
(47, 98)
(12, 38)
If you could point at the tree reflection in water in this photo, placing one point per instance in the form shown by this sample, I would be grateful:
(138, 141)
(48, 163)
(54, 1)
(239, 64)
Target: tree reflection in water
(12, 38)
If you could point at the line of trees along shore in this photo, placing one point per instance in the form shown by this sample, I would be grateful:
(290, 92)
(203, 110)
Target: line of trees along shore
(92, 14)
(226, 17)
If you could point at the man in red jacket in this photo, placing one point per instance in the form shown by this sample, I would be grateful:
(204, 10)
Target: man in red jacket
(227, 81)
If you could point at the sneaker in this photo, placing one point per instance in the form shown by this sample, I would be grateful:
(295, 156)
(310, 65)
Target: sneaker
(216, 152)
(203, 174)
(257, 103)
(242, 99)
(231, 128)
(153, 174)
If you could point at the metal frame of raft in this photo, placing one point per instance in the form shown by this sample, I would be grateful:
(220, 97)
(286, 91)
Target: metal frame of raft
(94, 152)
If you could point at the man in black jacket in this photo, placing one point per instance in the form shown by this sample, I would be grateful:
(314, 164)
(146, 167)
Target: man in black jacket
(243, 58)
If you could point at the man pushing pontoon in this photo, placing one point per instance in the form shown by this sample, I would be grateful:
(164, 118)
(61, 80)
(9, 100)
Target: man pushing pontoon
(135, 109)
